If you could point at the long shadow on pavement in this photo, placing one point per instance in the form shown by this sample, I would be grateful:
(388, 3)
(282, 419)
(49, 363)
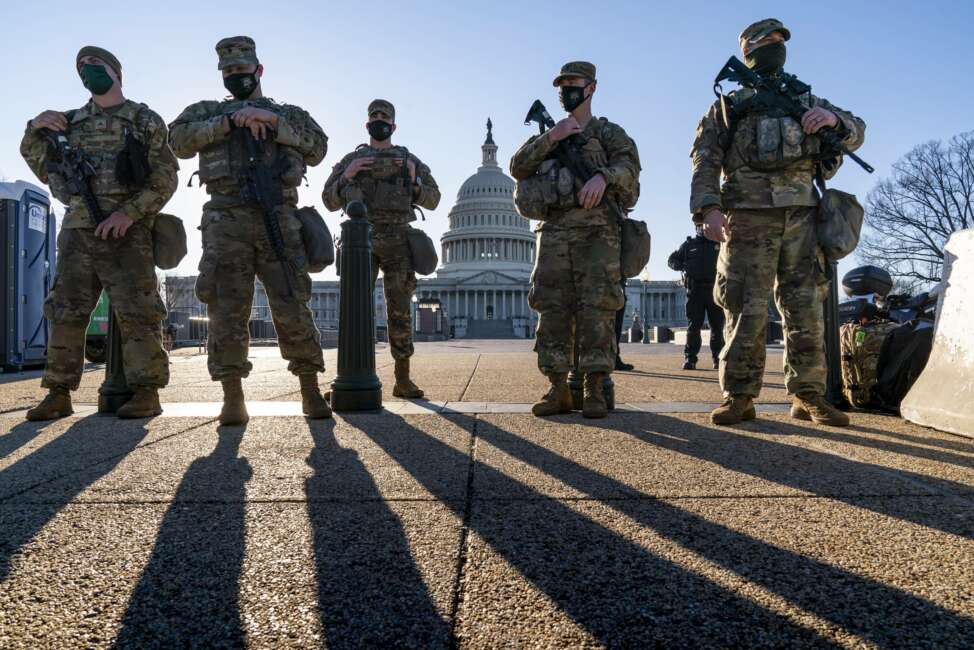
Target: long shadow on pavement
(847, 435)
(188, 595)
(370, 591)
(65, 460)
(831, 465)
(949, 441)
(622, 594)
(881, 613)
(19, 435)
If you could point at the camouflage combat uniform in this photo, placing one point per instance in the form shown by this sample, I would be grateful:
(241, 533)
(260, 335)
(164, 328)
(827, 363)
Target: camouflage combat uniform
(576, 284)
(771, 203)
(236, 248)
(388, 194)
(123, 267)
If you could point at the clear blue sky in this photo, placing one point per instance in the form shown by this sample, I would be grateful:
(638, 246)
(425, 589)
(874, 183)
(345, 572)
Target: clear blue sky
(906, 68)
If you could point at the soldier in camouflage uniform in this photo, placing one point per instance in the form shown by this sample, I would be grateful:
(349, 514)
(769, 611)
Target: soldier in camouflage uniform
(117, 253)
(576, 284)
(390, 181)
(766, 212)
(236, 246)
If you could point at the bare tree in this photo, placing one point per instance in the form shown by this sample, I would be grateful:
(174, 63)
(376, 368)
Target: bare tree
(910, 215)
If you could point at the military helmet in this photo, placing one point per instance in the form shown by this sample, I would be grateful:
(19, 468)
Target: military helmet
(761, 29)
(236, 50)
(581, 69)
(383, 105)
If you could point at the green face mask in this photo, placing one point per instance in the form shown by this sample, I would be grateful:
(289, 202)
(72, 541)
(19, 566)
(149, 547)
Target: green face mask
(96, 79)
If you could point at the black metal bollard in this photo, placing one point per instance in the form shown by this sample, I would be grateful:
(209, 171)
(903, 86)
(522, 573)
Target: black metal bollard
(833, 362)
(576, 383)
(114, 391)
(357, 387)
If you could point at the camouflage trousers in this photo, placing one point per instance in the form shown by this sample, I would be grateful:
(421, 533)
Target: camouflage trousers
(124, 268)
(236, 249)
(772, 250)
(576, 290)
(390, 253)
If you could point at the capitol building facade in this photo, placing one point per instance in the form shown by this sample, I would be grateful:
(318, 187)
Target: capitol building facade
(480, 289)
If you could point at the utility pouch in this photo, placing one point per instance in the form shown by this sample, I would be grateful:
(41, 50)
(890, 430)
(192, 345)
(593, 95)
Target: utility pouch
(319, 247)
(168, 241)
(422, 251)
(636, 246)
(132, 162)
(552, 188)
(839, 221)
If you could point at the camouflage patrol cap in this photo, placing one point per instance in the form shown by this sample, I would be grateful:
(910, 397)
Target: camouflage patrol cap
(756, 31)
(382, 105)
(582, 69)
(236, 50)
(101, 53)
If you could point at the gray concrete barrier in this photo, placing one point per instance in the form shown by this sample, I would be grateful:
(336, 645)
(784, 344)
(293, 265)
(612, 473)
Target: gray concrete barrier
(943, 395)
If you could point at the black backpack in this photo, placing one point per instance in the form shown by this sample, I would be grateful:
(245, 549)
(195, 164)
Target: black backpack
(901, 360)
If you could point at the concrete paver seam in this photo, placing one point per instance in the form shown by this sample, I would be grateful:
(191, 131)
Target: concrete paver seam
(102, 460)
(473, 373)
(464, 537)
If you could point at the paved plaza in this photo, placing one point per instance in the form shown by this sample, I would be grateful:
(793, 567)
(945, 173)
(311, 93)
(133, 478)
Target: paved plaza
(463, 521)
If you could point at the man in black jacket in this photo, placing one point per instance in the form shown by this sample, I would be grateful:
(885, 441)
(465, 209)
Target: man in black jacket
(696, 259)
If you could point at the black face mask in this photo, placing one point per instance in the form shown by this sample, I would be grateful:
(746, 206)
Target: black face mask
(572, 97)
(767, 59)
(241, 85)
(379, 130)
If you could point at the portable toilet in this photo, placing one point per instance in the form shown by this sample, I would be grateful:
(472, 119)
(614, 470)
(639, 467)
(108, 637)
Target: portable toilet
(28, 244)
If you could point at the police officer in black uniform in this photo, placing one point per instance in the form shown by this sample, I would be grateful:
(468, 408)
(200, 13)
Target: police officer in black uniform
(696, 259)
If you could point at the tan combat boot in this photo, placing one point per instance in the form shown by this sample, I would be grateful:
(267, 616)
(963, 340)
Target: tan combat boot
(312, 403)
(594, 406)
(56, 405)
(234, 409)
(404, 385)
(734, 409)
(813, 407)
(557, 400)
(143, 404)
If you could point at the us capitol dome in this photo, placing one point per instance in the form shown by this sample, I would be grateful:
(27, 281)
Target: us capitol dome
(486, 258)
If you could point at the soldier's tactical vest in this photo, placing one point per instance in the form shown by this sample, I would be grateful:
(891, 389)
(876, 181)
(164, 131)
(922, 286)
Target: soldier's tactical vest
(554, 188)
(766, 140)
(101, 136)
(860, 347)
(385, 188)
(223, 163)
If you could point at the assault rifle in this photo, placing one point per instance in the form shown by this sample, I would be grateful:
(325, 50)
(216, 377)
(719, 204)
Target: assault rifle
(75, 168)
(260, 184)
(567, 151)
(783, 92)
